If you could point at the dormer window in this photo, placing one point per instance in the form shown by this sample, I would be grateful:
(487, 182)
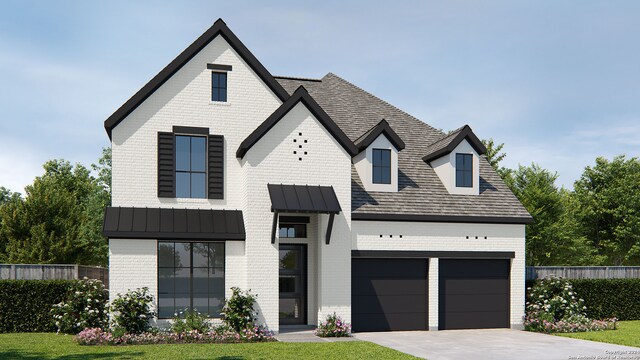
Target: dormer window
(464, 170)
(381, 166)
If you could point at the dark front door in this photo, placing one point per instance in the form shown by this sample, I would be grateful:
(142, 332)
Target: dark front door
(389, 294)
(474, 294)
(293, 284)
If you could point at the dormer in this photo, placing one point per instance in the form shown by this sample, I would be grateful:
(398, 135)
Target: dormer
(456, 160)
(377, 158)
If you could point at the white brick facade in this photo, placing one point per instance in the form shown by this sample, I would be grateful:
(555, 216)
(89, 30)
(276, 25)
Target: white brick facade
(184, 100)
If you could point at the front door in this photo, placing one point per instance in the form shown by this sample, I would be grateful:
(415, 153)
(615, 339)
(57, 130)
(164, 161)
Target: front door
(293, 284)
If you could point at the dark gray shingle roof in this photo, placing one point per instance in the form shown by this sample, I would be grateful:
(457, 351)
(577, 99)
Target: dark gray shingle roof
(421, 192)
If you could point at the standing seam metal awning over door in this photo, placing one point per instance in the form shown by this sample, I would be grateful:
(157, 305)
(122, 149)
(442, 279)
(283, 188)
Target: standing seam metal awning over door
(303, 199)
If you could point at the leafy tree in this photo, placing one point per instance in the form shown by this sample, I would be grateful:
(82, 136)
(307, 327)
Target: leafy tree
(551, 239)
(606, 203)
(495, 155)
(59, 220)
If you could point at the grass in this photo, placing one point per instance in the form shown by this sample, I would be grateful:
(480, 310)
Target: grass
(52, 346)
(627, 333)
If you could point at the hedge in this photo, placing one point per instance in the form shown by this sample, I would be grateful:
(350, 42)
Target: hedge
(606, 298)
(25, 304)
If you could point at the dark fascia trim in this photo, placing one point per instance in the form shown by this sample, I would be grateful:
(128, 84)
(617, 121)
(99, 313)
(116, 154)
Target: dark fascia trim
(294, 219)
(381, 128)
(219, 67)
(433, 254)
(190, 130)
(218, 28)
(135, 235)
(465, 133)
(300, 95)
(442, 218)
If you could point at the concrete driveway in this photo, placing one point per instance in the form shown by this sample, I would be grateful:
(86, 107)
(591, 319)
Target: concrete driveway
(495, 344)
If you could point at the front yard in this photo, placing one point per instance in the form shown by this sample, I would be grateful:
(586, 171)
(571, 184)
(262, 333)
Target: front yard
(52, 346)
(628, 333)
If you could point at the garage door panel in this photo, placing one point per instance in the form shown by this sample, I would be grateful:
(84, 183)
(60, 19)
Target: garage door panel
(476, 286)
(479, 320)
(476, 303)
(482, 268)
(389, 322)
(389, 268)
(474, 293)
(390, 304)
(389, 286)
(389, 294)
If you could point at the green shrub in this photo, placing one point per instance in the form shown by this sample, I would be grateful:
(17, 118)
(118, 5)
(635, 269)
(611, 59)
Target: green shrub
(85, 306)
(25, 304)
(132, 311)
(238, 312)
(190, 320)
(607, 298)
(333, 326)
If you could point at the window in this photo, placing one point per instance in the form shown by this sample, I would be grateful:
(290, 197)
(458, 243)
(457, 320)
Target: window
(464, 170)
(381, 166)
(293, 231)
(190, 276)
(191, 166)
(218, 86)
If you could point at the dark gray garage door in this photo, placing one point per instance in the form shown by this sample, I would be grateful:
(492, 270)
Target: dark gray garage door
(474, 294)
(389, 294)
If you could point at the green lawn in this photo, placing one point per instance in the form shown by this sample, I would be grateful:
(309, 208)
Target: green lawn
(628, 333)
(52, 346)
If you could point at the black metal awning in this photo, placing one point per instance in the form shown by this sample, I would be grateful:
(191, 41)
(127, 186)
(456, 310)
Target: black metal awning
(303, 199)
(169, 223)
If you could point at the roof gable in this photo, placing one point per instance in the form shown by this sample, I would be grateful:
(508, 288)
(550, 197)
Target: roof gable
(218, 28)
(300, 95)
(382, 127)
(448, 143)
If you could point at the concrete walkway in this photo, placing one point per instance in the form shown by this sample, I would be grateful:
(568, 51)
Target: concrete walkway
(305, 334)
(496, 344)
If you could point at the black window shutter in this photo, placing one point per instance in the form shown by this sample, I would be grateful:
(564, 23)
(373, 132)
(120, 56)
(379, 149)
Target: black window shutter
(216, 167)
(166, 167)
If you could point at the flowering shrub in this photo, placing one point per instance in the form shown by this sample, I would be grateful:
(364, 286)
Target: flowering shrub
(132, 311)
(190, 320)
(333, 326)
(238, 312)
(84, 307)
(222, 334)
(553, 306)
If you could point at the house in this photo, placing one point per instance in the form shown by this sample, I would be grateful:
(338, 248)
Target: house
(316, 195)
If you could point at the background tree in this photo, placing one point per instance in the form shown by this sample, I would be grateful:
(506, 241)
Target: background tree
(606, 203)
(60, 218)
(551, 239)
(495, 155)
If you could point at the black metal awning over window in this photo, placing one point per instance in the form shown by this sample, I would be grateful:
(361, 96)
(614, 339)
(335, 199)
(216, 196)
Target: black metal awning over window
(303, 199)
(179, 224)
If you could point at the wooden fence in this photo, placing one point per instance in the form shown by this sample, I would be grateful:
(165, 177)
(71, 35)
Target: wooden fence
(53, 272)
(584, 272)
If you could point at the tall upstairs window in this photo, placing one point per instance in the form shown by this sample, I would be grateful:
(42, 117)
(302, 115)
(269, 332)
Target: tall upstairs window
(381, 166)
(464, 170)
(191, 168)
(219, 86)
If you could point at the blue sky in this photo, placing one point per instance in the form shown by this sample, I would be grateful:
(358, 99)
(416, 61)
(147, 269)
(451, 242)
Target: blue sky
(557, 82)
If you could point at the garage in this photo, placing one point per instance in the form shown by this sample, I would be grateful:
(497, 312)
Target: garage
(389, 294)
(473, 293)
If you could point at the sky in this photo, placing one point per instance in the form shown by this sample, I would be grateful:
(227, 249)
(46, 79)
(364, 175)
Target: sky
(558, 82)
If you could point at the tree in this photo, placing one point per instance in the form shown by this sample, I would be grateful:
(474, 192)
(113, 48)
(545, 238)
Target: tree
(551, 239)
(59, 220)
(495, 155)
(606, 203)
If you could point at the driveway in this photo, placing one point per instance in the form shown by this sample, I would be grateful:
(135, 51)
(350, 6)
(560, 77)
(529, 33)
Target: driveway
(495, 344)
